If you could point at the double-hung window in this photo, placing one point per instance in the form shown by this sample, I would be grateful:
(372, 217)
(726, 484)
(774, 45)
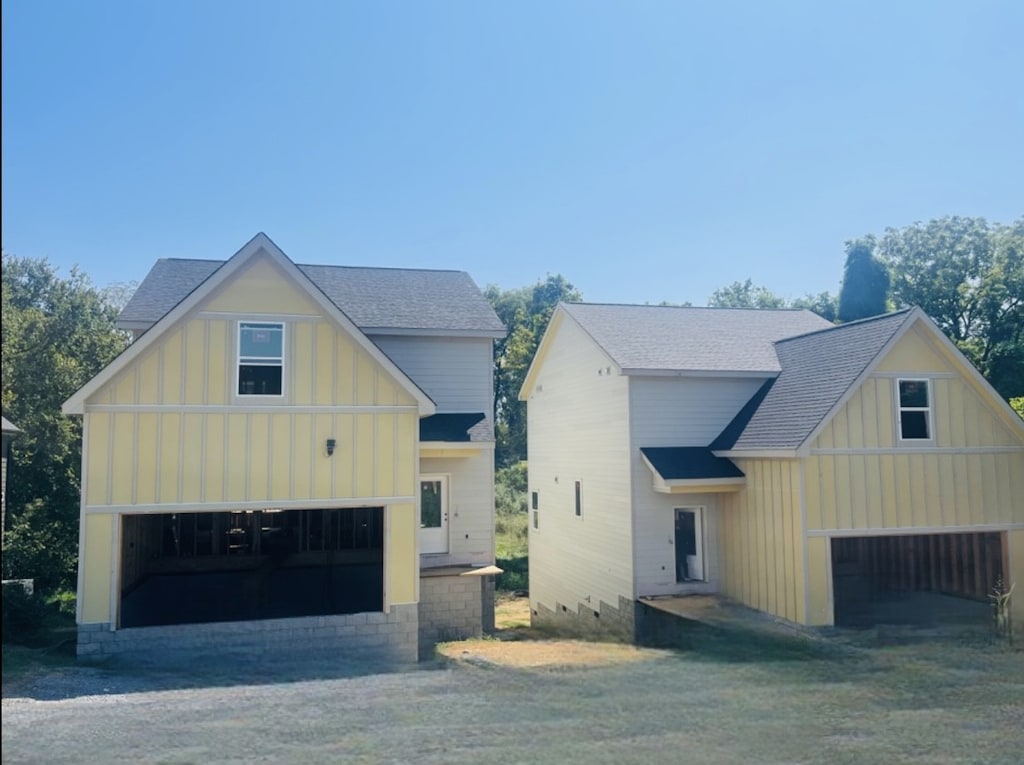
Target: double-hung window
(915, 414)
(260, 358)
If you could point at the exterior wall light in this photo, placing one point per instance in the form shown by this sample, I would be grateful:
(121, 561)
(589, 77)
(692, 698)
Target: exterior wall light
(331, 443)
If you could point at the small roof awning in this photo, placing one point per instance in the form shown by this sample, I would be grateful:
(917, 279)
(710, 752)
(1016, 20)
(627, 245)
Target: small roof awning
(458, 427)
(689, 469)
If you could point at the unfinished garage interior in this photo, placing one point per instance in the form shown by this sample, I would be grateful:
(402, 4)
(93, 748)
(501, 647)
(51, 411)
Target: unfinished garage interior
(920, 580)
(190, 568)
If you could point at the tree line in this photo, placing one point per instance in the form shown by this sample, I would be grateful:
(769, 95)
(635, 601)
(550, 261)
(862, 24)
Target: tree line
(57, 332)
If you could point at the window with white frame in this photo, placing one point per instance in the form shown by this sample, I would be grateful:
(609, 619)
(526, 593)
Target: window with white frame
(915, 410)
(260, 358)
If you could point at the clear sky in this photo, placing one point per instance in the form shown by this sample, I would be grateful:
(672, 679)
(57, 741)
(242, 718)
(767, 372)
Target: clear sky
(647, 151)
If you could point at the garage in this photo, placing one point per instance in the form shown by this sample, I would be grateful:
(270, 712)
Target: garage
(922, 580)
(190, 568)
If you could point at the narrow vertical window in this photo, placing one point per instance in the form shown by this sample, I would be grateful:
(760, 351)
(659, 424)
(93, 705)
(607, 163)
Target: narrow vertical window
(914, 410)
(533, 500)
(579, 500)
(260, 358)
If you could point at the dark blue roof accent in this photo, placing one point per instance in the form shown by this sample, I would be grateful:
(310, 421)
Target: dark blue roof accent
(680, 463)
(459, 427)
(734, 429)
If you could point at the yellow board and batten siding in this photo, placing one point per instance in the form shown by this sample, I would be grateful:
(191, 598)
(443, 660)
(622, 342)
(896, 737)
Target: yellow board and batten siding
(762, 539)
(858, 476)
(170, 430)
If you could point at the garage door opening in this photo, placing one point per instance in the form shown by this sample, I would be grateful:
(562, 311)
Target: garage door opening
(921, 580)
(189, 568)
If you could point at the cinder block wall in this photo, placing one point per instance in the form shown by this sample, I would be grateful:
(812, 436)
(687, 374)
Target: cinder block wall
(607, 623)
(453, 607)
(390, 638)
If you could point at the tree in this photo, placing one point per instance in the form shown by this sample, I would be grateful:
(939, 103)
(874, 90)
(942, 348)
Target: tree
(968, 276)
(1018, 405)
(525, 311)
(748, 295)
(56, 334)
(865, 288)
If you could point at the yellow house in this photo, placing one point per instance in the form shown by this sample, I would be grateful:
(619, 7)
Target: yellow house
(828, 475)
(289, 457)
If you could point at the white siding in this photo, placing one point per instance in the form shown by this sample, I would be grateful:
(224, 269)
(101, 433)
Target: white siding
(676, 411)
(578, 431)
(456, 372)
(685, 411)
(470, 509)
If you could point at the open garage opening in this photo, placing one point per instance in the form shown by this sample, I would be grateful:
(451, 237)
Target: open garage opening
(188, 568)
(921, 580)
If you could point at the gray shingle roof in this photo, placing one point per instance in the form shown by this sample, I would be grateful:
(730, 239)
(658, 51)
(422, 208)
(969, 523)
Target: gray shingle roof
(8, 426)
(373, 298)
(669, 338)
(689, 463)
(817, 370)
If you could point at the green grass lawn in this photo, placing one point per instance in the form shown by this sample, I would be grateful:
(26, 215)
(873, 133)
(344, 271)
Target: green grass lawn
(510, 539)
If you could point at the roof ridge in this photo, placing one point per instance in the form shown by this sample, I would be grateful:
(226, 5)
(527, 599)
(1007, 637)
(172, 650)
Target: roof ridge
(332, 265)
(689, 307)
(855, 323)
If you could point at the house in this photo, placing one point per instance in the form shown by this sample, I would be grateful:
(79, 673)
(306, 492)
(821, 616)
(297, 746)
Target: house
(9, 431)
(818, 473)
(289, 458)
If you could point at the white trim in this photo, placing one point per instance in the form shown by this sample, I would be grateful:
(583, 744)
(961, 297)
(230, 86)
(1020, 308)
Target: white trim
(902, 531)
(923, 449)
(802, 473)
(258, 317)
(285, 347)
(928, 410)
(83, 493)
(260, 243)
(454, 446)
(115, 571)
(445, 492)
(776, 454)
(385, 559)
(700, 529)
(263, 504)
(255, 409)
(931, 375)
(700, 485)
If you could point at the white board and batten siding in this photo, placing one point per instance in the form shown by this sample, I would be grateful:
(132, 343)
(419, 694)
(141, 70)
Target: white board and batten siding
(578, 430)
(676, 411)
(456, 372)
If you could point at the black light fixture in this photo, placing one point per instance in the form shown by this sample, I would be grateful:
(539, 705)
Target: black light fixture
(331, 443)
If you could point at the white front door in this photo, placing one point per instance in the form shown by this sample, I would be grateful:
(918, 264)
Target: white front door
(433, 514)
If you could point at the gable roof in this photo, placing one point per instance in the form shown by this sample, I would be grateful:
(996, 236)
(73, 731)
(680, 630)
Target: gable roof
(818, 369)
(8, 426)
(375, 299)
(672, 339)
(258, 245)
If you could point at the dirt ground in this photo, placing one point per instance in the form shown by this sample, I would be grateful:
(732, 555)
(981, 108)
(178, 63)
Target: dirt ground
(871, 697)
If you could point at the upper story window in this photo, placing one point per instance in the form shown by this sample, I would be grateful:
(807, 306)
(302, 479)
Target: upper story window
(914, 410)
(260, 358)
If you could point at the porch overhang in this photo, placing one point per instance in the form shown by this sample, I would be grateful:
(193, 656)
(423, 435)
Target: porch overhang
(455, 434)
(691, 470)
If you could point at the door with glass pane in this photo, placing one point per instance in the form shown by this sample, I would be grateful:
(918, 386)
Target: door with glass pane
(433, 514)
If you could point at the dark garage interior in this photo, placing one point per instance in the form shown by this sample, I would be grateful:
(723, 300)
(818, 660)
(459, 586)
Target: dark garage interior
(188, 568)
(922, 580)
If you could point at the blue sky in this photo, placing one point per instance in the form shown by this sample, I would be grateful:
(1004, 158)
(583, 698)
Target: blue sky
(647, 151)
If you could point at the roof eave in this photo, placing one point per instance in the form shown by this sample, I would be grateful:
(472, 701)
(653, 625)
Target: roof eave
(747, 373)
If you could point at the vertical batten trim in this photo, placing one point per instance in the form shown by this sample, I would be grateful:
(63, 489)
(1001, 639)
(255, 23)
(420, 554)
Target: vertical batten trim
(332, 462)
(181, 458)
(291, 457)
(182, 391)
(206, 362)
(115, 569)
(394, 455)
(204, 423)
(803, 538)
(246, 493)
(160, 374)
(81, 518)
(135, 439)
(225, 486)
(270, 456)
(109, 494)
(335, 361)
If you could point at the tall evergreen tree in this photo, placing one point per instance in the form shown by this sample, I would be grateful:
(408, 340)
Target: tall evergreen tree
(865, 290)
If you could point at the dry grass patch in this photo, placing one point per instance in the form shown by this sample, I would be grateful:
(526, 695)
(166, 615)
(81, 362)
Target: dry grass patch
(548, 654)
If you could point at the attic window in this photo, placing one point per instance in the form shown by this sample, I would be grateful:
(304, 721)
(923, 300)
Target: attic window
(914, 410)
(260, 358)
